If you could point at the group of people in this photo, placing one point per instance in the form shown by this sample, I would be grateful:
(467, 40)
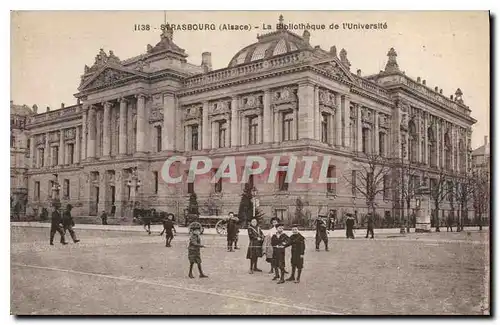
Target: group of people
(61, 224)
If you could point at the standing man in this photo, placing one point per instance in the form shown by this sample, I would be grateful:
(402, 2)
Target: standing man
(332, 218)
(279, 240)
(231, 231)
(349, 226)
(169, 229)
(55, 225)
(146, 219)
(321, 232)
(297, 241)
(104, 217)
(69, 223)
(369, 225)
(449, 222)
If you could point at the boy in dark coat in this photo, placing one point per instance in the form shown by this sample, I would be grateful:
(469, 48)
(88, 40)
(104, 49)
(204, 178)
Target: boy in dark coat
(232, 228)
(369, 225)
(298, 243)
(194, 254)
(169, 229)
(55, 226)
(278, 241)
(349, 226)
(321, 232)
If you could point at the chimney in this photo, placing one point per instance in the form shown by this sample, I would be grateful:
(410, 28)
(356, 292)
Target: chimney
(451, 97)
(436, 89)
(358, 72)
(333, 50)
(306, 36)
(35, 109)
(206, 61)
(441, 91)
(48, 109)
(423, 82)
(62, 105)
(418, 79)
(78, 101)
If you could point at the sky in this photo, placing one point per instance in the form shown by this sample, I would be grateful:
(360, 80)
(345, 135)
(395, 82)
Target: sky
(49, 49)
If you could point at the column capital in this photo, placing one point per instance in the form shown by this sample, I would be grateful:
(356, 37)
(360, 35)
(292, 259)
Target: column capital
(123, 100)
(141, 95)
(106, 104)
(266, 91)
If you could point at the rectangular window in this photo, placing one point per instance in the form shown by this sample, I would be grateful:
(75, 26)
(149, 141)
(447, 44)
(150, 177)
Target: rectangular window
(386, 187)
(66, 188)
(381, 144)
(287, 127)
(194, 137)
(353, 182)
(331, 173)
(155, 177)
(282, 182)
(51, 192)
(324, 128)
(364, 140)
(281, 214)
(12, 141)
(41, 157)
(55, 156)
(158, 138)
(222, 135)
(190, 188)
(252, 130)
(37, 191)
(71, 153)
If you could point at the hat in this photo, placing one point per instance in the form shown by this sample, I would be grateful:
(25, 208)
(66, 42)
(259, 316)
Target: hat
(170, 214)
(280, 224)
(275, 219)
(194, 225)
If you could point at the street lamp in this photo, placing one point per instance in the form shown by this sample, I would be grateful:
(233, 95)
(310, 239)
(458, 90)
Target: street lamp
(255, 201)
(133, 183)
(55, 190)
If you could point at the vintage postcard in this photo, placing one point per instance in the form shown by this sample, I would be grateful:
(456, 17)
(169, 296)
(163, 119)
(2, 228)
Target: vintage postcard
(250, 163)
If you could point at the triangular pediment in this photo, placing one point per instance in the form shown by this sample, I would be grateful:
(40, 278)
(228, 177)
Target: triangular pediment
(109, 75)
(334, 67)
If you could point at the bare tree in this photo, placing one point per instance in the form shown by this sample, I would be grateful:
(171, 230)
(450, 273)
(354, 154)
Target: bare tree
(368, 179)
(481, 196)
(439, 192)
(464, 189)
(406, 185)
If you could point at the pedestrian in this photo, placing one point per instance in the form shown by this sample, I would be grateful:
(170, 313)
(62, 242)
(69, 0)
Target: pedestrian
(104, 217)
(231, 231)
(278, 241)
(55, 225)
(349, 226)
(449, 222)
(369, 225)
(297, 241)
(332, 218)
(268, 248)
(321, 232)
(113, 210)
(169, 229)
(194, 254)
(146, 219)
(256, 238)
(237, 234)
(68, 223)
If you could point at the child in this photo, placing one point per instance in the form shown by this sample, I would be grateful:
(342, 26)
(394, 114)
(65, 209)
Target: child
(297, 241)
(278, 241)
(168, 227)
(194, 254)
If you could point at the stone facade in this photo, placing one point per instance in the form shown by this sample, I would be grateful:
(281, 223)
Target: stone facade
(278, 96)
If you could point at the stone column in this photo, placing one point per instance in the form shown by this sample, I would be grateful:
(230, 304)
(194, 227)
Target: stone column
(84, 133)
(317, 118)
(345, 106)
(267, 120)
(359, 132)
(306, 111)
(106, 134)
(277, 127)
(187, 138)
(122, 144)
(376, 134)
(457, 152)
(295, 125)
(259, 128)
(76, 151)
(60, 159)
(338, 127)
(32, 151)
(419, 138)
(98, 134)
(205, 127)
(234, 122)
(438, 143)
(46, 151)
(91, 133)
(215, 126)
(141, 124)
(119, 192)
(426, 141)
(228, 134)
(102, 192)
(244, 130)
(331, 129)
(453, 148)
(169, 118)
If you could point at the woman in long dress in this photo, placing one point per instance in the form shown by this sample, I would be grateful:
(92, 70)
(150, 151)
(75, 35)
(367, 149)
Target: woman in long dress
(256, 238)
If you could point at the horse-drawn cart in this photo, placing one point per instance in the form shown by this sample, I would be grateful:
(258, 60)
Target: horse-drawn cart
(217, 222)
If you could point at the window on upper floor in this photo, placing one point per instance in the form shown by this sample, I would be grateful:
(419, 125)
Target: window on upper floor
(253, 124)
(194, 137)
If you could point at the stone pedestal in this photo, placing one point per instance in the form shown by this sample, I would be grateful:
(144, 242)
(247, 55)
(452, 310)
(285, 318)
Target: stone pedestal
(423, 216)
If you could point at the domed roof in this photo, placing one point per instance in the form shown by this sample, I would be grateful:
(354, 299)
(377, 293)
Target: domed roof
(22, 110)
(269, 45)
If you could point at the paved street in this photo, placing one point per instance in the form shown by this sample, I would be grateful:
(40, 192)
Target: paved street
(129, 272)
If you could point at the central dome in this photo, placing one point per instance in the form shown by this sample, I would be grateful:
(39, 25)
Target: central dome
(269, 45)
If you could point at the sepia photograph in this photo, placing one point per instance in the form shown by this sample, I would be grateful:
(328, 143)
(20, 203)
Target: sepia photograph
(332, 163)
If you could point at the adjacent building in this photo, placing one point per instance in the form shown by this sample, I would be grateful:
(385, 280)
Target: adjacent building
(278, 96)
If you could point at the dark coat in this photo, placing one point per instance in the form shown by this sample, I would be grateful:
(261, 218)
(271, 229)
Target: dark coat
(369, 221)
(256, 238)
(279, 252)
(67, 219)
(232, 228)
(168, 226)
(56, 218)
(349, 223)
(194, 254)
(298, 243)
(320, 225)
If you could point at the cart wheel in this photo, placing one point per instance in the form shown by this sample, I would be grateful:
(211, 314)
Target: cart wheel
(221, 227)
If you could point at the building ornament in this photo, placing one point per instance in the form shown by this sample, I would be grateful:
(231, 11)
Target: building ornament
(70, 134)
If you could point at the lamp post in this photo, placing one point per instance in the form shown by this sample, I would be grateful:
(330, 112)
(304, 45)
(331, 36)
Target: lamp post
(133, 183)
(255, 201)
(55, 190)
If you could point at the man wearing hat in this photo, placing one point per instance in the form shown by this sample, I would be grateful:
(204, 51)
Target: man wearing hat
(297, 241)
(55, 225)
(68, 223)
(321, 232)
(278, 241)
(194, 254)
